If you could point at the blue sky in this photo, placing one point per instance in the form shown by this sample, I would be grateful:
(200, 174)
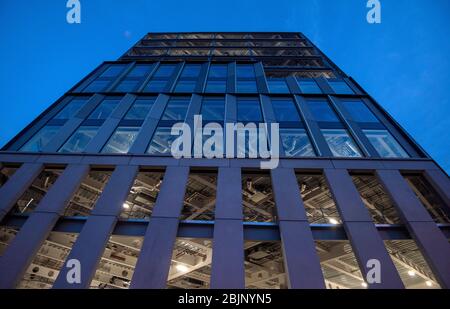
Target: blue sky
(404, 62)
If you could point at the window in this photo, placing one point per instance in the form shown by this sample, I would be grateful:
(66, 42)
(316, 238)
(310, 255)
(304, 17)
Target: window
(217, 78)
(105, 109)
(213, 109)
(321, 111)
(134, 78)
(358, 111)
(245, 78)
(121, 140)
(105, 79)
(140, 109)
(340, 87)
(296, 143)
(340, 143)
(385, 144)
(309, 86)
(161, 142)
(248, 110)
(159, 80)
(277, 85)
(71, 109)
(176, 109)
(80, 139)
(285, 110)
(188, 78)
(40, 139)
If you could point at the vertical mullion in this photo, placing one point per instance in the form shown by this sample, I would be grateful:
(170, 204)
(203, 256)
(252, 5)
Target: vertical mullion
(228, 243)
(299, 252)
(36, 229)
(360, 229)
(153, 265)
(92, 239)
(429, 238)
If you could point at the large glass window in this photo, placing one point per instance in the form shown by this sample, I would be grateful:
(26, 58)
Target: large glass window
(296, 143)
(121, 140)
(105, 109)
(340, 143)
(161, 142)
(159, 80)
(309, 86)
(285, 110)
(248, 110)
(277, 85)
(102, 82)
(385, 144)
(71, 109)
(80, 139)
(40, 139)
(321, 111)
(245, 77)
(217, 78)
(188, 78)
(176, 109)
(257, 197)
(140, 109)
(213, 109)
(340, 87)
(359, 111)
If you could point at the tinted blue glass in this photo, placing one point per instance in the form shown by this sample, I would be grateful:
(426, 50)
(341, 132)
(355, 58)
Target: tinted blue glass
(80, 139)
(97, 86)
(340, 143)
(185, 86)
(104, 110)
(176, 109)
(296, 143)
(113, 70)
(249, 110)
(121, 140)
(340, 87)
(191, 70)
(309, 86)
(216, 86)
(40, 139)
(322, 111)
(140, 70)
(245, 71)
(127, 86)
(285, 110)
(71, 109)
(278, 86)
(161, 142)
(359, 111)
(156, 85)
(385, 144)
(213, 109)
(217, 71)
(247, 86)
(165, 70)
(140, 109)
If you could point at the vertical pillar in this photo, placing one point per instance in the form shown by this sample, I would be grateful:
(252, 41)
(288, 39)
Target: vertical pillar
(301, 261)
(92, 239)
(34, 232)
(361, 231)
(441, 183)
(153, 265)
(228, 243)
(430, 240)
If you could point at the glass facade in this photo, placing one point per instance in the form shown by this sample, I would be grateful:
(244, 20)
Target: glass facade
(80, 139)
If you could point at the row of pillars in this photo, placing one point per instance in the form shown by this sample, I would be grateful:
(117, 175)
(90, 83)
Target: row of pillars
(300, 258)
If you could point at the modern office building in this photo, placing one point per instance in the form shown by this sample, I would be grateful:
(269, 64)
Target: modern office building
(91, 184)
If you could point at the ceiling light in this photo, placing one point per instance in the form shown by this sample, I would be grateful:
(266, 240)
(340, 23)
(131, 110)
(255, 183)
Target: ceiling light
(333, 221)
(182, 268)
(411, 273)
(126, 206)
(364, 285)
(429, 283)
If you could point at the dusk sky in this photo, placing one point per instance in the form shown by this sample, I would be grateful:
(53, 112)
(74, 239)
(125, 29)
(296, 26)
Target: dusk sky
(404, 62)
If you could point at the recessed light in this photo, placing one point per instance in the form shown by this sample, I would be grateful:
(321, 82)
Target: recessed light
(411, 273)
(333, 221)
(182, 268)
(126, 206)
(429, 283)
